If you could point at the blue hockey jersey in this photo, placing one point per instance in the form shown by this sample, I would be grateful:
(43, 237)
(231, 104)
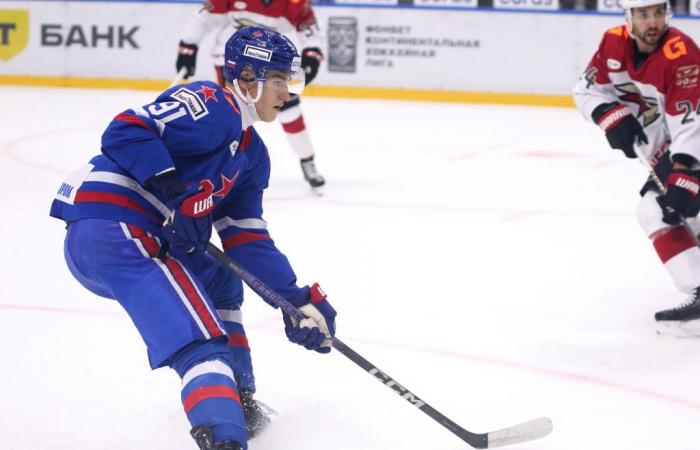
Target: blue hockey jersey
(197, 130)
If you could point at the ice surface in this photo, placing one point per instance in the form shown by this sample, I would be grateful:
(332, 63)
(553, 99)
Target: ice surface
(486, 257)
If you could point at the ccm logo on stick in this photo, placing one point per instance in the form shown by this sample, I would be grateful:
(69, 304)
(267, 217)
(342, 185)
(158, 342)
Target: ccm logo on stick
(402, 391)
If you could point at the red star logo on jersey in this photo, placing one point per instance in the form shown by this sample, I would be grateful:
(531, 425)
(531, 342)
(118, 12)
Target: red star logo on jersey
(208, 93)
(226, 185)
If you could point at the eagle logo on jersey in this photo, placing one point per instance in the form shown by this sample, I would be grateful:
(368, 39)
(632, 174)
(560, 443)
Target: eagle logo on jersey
(648, 106)
(243, 22)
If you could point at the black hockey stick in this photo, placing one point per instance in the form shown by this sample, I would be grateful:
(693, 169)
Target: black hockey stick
(522, 432)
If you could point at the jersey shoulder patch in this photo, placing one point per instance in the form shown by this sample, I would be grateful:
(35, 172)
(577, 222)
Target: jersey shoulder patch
(619, 31)
(195, 106)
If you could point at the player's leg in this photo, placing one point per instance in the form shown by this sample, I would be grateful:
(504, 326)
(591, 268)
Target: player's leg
(292, 121)
(226, 291)
(174, 315)
(678, 253)
(209, 395)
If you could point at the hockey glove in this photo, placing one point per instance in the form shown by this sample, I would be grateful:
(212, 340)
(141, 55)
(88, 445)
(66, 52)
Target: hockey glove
(188, 227)
(187, 58)
(680, 199)
(621, 128)
(310, 61)
(317, 330)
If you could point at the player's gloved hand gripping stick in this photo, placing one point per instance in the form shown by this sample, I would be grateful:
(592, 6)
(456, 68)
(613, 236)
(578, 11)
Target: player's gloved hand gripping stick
(683, 189)
(523, 432)
(317, 329)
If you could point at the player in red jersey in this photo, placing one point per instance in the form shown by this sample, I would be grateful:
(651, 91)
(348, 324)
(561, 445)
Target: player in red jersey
(293, 18)
(642, 87)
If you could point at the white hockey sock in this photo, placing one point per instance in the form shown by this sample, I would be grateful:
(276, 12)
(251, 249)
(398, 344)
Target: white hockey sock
(299, 139)
(674, 245)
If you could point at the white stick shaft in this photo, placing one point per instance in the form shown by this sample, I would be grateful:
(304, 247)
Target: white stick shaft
(179, 77)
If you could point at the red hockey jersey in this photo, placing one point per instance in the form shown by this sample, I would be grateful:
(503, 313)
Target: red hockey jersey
(293, 18)
(663, 92)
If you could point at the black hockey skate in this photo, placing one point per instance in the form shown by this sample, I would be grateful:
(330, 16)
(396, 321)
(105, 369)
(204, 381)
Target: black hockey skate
(690, 310)
(311, 175)
(202, 435)
(256, 416)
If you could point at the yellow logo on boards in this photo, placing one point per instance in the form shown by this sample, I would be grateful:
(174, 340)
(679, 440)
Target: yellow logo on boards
(14, 32)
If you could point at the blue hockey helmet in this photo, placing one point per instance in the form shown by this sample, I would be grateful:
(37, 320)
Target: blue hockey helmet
(261, 50)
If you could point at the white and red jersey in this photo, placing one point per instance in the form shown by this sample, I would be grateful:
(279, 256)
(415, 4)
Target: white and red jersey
(663, 92)
(293, 18)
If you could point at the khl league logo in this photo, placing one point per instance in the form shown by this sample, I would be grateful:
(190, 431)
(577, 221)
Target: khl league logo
(14, 32)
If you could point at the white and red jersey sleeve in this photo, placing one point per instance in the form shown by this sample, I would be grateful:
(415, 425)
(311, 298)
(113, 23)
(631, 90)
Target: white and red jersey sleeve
(302, 16)
(594, 87)
(200, 23)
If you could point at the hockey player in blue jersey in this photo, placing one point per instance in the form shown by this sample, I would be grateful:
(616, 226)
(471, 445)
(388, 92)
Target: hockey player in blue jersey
(141, 213)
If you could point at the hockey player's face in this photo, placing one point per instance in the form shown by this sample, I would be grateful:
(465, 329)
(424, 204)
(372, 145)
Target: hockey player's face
(648, 25)
(275, 93)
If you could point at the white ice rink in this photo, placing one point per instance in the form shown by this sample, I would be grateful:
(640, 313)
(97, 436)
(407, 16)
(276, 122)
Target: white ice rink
(487, 257)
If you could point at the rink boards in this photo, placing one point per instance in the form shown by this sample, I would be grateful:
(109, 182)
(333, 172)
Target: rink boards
(430, 53)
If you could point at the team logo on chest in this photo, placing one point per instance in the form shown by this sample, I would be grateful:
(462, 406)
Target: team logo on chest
(648, 106)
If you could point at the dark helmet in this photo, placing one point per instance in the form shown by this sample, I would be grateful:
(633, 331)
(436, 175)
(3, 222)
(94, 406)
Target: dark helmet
(259, 49)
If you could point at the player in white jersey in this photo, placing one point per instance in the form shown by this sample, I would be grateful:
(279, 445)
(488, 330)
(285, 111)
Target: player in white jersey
(642, 87)
(293, 18)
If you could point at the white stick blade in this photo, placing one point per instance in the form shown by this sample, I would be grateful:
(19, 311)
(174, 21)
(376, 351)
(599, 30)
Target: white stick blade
(523, 432)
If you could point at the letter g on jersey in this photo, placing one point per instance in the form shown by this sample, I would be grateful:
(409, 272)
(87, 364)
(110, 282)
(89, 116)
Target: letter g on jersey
(675, 48)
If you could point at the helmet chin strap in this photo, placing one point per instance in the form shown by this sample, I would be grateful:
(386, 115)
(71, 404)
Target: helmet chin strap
(248, 100)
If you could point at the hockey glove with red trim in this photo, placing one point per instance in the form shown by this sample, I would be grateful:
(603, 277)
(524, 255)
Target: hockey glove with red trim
(188, 227)
(680, 199)
(317, 330)
(310, 61)
(187, 58)
(621, 128)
